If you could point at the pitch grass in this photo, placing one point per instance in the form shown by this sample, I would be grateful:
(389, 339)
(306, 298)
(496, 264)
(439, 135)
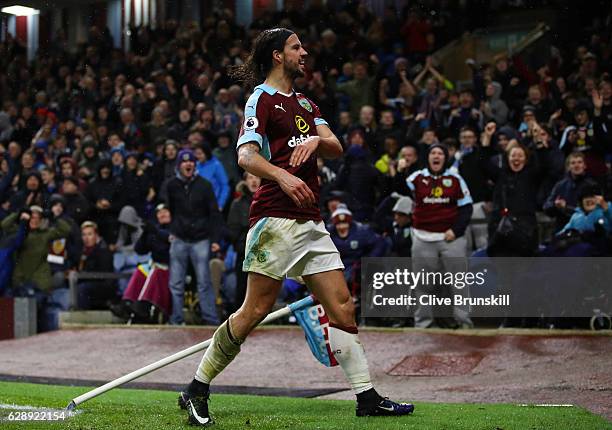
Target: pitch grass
(148, 409)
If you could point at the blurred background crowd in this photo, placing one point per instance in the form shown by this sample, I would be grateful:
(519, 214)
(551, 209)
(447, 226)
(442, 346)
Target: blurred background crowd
(124, 161)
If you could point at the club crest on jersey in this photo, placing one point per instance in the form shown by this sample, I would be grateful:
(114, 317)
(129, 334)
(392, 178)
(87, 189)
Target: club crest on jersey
(447, 182)
(301, 124)
(354, 244)
(58, 246)
(251, 123)
(305, 104)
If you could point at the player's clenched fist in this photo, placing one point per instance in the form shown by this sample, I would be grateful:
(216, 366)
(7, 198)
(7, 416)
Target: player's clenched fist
(297, 189)
(302, 152)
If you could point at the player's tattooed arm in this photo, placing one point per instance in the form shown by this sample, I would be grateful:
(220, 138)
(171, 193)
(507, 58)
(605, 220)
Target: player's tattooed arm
(247, 154)
(251, 161)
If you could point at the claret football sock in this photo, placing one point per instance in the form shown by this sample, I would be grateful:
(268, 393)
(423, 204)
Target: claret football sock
(223, 349)
(350, 354)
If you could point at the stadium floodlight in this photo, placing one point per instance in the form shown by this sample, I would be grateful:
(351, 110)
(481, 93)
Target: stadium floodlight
(18, 10)
(307, 314)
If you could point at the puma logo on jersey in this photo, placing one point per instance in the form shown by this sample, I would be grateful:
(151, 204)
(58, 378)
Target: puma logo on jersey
(280, 107)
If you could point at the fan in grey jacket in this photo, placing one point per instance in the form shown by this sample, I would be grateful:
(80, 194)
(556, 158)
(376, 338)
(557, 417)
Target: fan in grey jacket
(125, 258)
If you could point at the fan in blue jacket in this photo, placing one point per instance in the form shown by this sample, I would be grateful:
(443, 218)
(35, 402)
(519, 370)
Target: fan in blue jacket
(593, 212)
(213, 171)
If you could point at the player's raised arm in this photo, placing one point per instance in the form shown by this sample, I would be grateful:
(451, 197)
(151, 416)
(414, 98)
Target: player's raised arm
(251, 161)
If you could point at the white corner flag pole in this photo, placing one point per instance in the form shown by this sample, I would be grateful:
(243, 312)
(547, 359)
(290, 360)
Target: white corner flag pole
(168, 360)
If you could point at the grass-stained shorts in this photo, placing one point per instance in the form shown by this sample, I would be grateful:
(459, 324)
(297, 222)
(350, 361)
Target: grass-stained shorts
(279, 247)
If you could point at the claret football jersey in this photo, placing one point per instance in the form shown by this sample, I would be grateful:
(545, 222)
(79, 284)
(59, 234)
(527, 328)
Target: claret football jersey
(437, 199)
(279, 122)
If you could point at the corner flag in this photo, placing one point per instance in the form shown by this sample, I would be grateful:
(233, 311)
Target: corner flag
(311, 316)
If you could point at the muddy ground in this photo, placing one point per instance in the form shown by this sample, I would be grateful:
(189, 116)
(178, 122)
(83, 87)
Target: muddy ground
(437, 366)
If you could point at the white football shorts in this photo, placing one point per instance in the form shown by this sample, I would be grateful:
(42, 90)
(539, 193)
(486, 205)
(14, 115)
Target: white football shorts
(279, 247)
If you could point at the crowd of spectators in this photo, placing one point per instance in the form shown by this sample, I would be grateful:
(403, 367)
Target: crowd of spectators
(93, 142)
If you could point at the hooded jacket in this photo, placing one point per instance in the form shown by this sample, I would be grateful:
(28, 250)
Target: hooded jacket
(494, 157)
(40, 196)
(105, 188)
(87, 162)
(130, 229)
(498, 110)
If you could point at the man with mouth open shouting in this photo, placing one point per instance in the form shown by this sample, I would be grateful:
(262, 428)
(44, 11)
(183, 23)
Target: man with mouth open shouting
(281, 136)
(442, 212)
(194, 233)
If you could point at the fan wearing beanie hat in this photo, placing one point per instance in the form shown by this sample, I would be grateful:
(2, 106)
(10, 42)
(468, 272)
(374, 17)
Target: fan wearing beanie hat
(186, 163)
(353, 240)
(401, 241)
(441, 214)
(342, 215)
(404, 206)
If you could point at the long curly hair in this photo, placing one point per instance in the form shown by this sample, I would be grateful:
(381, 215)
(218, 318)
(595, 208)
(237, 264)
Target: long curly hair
(259, 63)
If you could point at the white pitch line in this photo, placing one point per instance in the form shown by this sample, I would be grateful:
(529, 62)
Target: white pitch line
(547, 405)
